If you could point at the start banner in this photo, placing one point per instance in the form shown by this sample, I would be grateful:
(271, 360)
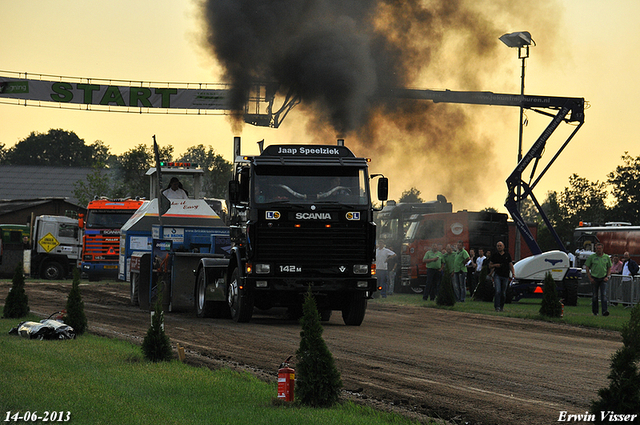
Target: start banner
(106, 95)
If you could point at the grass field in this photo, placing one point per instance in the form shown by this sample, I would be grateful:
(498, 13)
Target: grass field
(579, 315)
(103, 381)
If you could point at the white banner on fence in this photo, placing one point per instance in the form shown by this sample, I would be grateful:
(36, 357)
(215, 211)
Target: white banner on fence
(88, 93)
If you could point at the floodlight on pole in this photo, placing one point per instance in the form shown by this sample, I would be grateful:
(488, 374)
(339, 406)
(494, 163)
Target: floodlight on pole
(517, 39)
(520, 40)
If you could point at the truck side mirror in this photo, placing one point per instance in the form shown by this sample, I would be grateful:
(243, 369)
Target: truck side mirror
(81, 221)
(234, 191)
(383, 189)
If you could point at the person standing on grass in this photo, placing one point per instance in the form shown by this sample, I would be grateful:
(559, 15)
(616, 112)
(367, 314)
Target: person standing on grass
(629, 268)
(383, 254)
(460, 272)
(479, 263)
(616, 265)
(471, 269)
(598, 267)
(501, 264)
(433, 260)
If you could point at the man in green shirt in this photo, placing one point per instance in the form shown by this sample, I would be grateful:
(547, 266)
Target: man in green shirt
(447, 259)
(433, 260)
(459, 272)
(598, 267)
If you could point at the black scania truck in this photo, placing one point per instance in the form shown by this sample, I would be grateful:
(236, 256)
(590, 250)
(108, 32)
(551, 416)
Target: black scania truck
(300, 217)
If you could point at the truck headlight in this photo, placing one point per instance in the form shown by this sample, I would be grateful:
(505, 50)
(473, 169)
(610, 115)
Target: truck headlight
(262, 268)
(360, 269)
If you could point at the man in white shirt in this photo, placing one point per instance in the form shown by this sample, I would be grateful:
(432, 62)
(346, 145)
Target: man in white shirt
(629, 269)
(175, 190)
(382, 256)
(480, 260)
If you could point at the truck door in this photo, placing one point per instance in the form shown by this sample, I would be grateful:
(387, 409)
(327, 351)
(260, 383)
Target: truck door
(68, 236)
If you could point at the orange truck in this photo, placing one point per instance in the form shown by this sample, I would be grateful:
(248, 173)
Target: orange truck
(101, 239)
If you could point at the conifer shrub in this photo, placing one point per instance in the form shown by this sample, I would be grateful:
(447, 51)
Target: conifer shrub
(446, 295)
(75, 316)
(622, 396)
(17, 303)
(551, 306)
(156, 346)
(318, 381)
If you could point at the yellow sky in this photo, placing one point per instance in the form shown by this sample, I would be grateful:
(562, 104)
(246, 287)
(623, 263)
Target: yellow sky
(592, 57)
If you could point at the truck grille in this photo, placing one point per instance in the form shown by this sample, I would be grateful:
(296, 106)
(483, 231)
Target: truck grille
(106, 248)
(312, 246)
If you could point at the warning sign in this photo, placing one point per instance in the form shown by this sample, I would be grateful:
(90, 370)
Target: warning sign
(48, 242)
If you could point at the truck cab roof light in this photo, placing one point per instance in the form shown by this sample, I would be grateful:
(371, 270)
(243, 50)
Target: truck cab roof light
(179, 164)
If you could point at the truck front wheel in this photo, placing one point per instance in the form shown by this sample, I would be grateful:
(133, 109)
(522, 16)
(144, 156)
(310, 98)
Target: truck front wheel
(353, 312)
(240, 305)
(52, 270)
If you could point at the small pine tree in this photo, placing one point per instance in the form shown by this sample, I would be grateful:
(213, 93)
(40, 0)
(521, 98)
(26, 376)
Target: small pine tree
(623, 394)
(551, 306)
(446, 295)
(156, 345)
(17, 303)
(318, 381)
(75, 316)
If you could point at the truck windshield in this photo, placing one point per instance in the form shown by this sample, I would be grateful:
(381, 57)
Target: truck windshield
(388, 229)
(425, 229)
(312, 184)
(411, 232)
(107, 219)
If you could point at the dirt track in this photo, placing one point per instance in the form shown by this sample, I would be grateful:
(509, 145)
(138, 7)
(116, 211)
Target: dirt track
(417, 361)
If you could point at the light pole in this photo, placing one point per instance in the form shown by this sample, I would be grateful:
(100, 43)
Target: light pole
(521, 40)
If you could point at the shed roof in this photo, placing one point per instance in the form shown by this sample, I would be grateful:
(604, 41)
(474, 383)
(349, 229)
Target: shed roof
(33, 181)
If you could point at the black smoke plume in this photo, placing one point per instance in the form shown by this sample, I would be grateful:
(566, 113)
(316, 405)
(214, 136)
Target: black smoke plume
(341, 57)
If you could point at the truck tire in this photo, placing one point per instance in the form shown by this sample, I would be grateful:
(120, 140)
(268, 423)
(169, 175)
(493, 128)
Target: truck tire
(241, 307)
(52, 270)
(294, 312)
(135, 289)
(570, 292)
(353, 312)
(204, 308)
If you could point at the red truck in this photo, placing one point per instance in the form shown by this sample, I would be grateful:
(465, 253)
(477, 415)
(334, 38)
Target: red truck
(101, 240)
(480, 229)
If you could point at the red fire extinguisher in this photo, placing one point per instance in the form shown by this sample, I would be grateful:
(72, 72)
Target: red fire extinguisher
(286, 381)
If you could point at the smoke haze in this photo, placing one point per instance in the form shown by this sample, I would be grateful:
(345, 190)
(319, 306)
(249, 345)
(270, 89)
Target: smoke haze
(340, 57)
